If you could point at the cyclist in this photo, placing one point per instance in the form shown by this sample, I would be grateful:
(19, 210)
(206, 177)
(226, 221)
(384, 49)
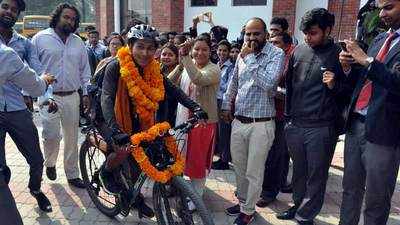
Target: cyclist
(123, 109)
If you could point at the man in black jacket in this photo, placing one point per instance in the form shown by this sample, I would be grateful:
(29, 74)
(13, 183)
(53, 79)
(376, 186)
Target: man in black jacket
(372, 154)
(313, 82)
(142, 44)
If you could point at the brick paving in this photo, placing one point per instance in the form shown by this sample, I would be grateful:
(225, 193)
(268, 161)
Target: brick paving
(73, 206)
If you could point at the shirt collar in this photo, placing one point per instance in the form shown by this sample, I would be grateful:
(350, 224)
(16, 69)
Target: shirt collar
(397, 31)
(15, 37)
(265, 50)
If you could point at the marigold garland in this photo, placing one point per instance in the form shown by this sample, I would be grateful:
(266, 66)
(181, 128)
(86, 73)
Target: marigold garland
(145, 92)
(140, 156)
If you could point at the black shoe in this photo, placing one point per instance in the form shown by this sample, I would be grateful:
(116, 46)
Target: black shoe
(42, 200)
(288, 214)
(108, 181)
(143, 209)
(77, 182)
(220, 165)
(305, 222)
(264, 202)
(288, 189)
(233, 211)
(243, 219)
(51, 173)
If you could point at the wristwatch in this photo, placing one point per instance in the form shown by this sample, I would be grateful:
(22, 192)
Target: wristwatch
(369, 61)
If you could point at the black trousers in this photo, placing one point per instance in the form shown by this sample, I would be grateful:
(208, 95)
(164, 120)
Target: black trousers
(224, 138)
(19, 125)
(311, 150)
(369, 170)
(277, 164)
(8, 209)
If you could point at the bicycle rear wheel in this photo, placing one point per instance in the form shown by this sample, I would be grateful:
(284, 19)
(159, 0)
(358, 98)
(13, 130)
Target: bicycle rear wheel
(172, 208)
(90, 160)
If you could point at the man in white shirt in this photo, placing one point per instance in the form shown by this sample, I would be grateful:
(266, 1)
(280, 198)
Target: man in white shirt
(63, 54)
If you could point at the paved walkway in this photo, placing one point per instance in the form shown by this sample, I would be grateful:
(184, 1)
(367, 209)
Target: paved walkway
(73, 206)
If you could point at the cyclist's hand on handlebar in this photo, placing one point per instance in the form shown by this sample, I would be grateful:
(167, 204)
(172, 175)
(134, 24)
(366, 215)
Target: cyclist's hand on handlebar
(121, 139)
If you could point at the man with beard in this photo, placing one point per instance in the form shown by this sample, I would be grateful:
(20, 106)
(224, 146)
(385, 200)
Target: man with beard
(19, 123)
(63, 54)
(371, 152)
(251, 94)
(314, 79)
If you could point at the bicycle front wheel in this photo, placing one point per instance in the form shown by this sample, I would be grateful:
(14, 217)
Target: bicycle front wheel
(90, 160)
(171, 204)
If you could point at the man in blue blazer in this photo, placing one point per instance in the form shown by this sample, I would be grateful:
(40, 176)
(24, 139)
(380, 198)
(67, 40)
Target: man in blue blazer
(372, 147)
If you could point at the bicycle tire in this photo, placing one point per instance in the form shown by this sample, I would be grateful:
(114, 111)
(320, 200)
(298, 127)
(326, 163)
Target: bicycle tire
(108, 211)
(185, 190)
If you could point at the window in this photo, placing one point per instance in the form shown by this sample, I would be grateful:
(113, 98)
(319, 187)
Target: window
(249, 2)
(204, 2)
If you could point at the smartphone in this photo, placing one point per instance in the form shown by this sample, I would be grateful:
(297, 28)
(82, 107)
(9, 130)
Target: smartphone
(343, 45)
(205, 17)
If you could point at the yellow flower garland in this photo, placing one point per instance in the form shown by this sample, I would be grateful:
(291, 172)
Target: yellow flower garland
(145, 93)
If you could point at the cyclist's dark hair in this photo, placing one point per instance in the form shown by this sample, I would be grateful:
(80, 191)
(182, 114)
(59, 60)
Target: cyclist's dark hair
(225, 43)
(317, 16)
(282, 22)
(56, 14)
(21, 5)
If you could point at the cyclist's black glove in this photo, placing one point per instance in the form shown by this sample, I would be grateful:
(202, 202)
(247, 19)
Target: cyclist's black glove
(119, 138)
(200, 114)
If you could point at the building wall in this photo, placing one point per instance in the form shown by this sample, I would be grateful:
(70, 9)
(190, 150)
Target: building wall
(105, 16)
(286, 9)
(232, 17)
(168, 15)
(142, 8)
(346, 18)
(302, 7)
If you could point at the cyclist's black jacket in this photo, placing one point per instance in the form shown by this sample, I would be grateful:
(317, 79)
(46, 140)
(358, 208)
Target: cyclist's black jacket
(109, 90)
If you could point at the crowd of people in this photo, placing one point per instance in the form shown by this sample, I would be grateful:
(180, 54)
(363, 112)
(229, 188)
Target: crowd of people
(262, 100)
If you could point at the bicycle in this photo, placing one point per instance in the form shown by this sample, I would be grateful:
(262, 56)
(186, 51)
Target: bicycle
(170, 200)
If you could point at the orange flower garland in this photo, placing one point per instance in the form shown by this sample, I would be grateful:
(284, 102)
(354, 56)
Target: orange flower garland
(140, 156)
(145, 92)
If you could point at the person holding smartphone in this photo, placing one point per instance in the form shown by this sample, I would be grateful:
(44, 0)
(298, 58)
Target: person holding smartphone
(372, 147)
